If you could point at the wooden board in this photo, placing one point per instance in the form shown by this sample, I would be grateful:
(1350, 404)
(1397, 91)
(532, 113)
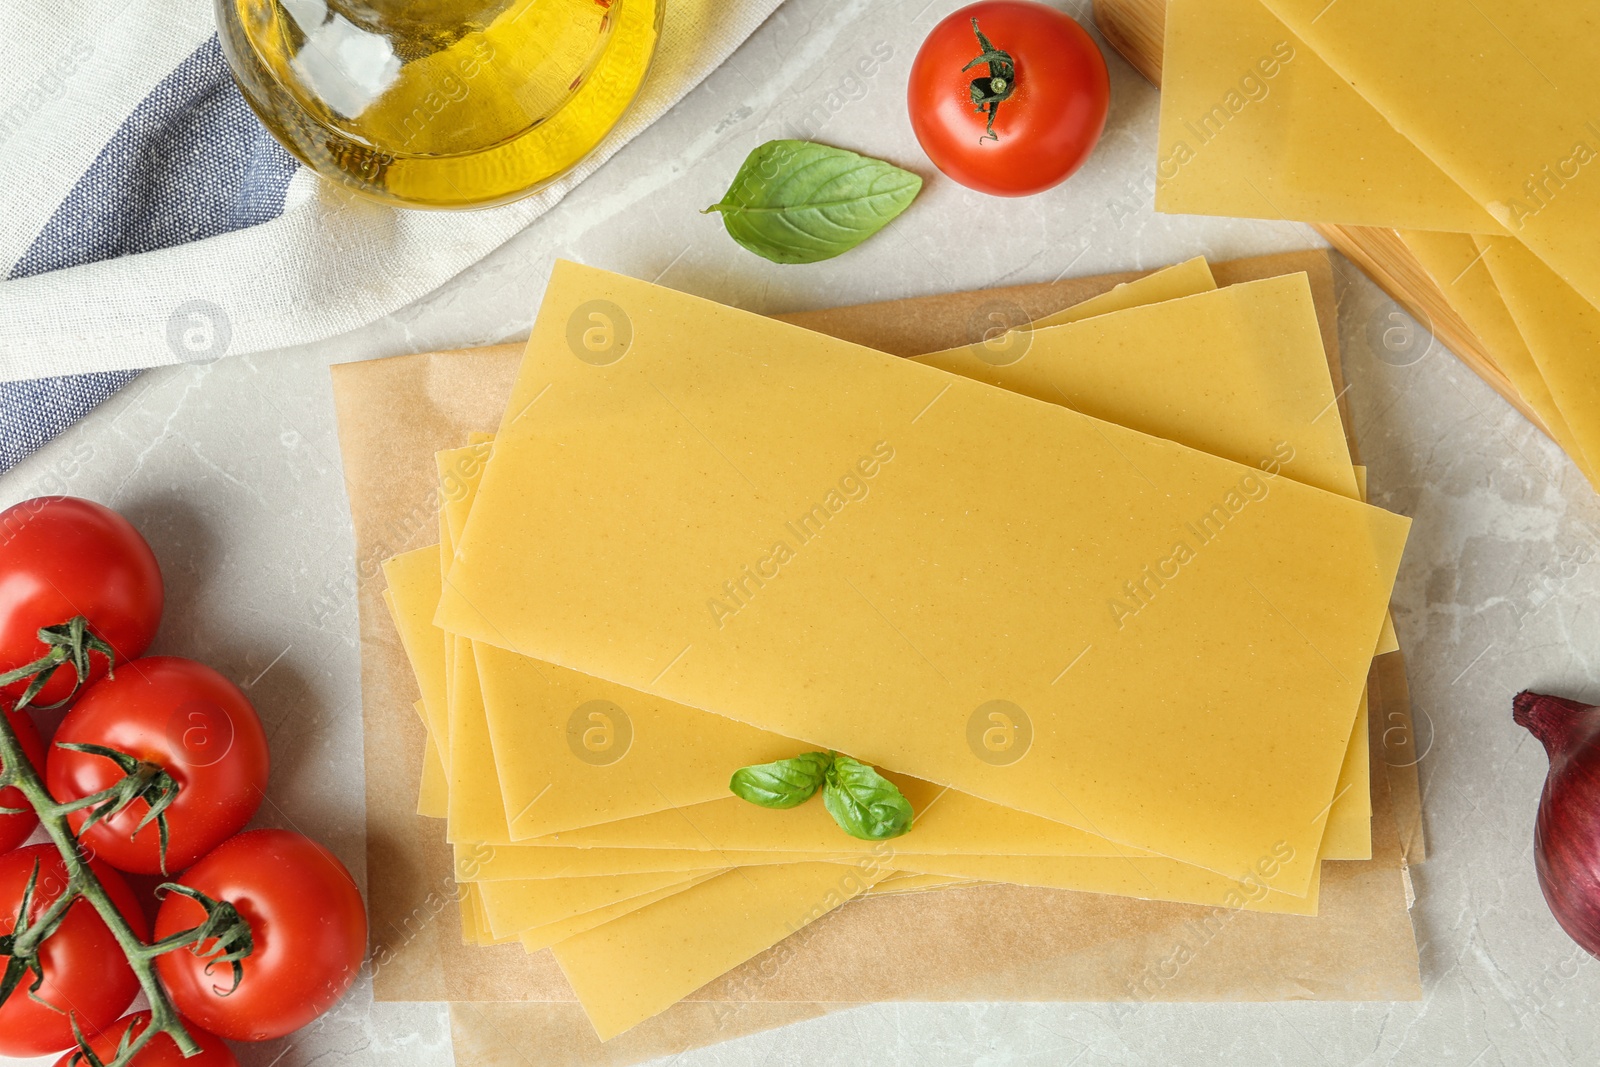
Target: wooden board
(1135, 28)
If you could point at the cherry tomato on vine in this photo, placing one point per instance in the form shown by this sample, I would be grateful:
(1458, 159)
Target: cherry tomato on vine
(61, 557)
(161, 1051)
(15, 829)
(307, 922)
(85, 971)
(1008, 97)
(189, 721)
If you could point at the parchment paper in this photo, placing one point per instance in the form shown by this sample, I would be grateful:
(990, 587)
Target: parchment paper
(984, 943)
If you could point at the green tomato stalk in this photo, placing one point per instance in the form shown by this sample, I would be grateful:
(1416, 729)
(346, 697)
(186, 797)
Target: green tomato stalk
(989, 93)
(223, 925)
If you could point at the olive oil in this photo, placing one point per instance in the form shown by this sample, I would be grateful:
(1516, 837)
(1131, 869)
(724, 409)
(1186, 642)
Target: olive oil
(440, 103)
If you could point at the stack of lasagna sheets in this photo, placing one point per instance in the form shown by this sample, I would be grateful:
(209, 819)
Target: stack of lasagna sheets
(1472, 129)
(1099, 595)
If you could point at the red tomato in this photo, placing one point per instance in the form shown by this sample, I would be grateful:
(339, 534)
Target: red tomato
(1046, 117)
(160, 1052)
(15, 829)
(61, 557)
(84, 969)
(308, 924)
(190, 721)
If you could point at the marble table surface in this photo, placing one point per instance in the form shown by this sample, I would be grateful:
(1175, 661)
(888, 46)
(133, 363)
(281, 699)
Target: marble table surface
(232, 471)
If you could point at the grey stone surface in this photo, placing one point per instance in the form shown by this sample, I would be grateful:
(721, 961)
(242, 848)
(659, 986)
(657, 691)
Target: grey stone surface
(232, 470)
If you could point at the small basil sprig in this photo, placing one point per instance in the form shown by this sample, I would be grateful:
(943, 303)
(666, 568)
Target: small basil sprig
(800, 202)
(863, 802)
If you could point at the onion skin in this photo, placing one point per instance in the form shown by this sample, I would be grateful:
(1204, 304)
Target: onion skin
(1566, 834)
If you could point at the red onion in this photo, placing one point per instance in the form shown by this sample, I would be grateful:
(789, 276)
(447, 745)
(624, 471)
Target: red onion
(1566, 834)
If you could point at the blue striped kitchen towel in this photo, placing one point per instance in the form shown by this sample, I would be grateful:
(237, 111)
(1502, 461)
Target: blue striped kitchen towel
(149, 218)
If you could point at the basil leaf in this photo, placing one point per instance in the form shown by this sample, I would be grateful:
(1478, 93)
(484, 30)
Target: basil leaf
(799, 202)
(863, 802)
(782, 784)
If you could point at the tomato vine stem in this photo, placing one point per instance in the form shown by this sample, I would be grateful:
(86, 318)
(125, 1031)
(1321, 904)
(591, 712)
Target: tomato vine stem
(82, 883)
(69, 644)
